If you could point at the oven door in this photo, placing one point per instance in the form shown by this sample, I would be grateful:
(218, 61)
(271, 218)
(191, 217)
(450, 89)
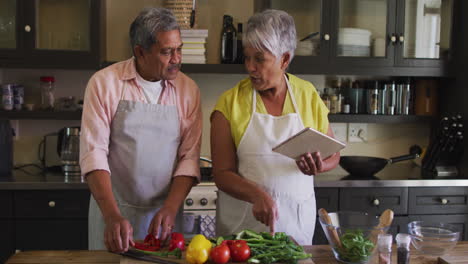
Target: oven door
(199, 222)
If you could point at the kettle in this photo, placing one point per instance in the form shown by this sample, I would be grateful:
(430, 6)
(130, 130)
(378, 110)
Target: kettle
(68, 149)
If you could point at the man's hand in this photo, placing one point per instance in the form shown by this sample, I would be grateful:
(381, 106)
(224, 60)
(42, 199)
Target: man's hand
(118, 235)
(265, 210)
(163, 222)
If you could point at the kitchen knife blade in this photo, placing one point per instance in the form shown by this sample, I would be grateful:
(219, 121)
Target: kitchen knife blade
(142, 256)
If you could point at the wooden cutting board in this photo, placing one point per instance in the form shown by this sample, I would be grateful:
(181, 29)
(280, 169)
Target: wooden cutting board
(128, 260)
(449, 259)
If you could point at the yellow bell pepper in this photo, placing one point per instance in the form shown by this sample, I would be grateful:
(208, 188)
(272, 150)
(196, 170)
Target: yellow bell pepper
(198, 250)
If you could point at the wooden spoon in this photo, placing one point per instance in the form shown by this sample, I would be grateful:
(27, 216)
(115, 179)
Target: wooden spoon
(385, 220)
(323, 214)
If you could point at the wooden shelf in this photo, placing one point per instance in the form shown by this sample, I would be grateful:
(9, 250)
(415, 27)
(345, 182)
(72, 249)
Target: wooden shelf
(382, 119)
(334, 118)
(40, 115)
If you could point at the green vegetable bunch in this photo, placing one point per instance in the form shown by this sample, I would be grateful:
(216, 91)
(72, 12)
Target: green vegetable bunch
(355, 246)
(266, 248)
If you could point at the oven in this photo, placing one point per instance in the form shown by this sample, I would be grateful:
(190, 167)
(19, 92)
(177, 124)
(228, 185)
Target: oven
(200, 210)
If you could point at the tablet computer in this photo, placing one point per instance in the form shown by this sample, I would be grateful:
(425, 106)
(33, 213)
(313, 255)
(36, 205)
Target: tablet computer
(309, 140)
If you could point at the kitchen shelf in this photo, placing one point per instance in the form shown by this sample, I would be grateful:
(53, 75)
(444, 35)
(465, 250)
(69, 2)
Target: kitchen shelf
(40, 115)
(334, 118)
(382, 119)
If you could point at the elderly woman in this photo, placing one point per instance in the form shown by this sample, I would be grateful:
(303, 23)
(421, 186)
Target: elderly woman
(259, 189)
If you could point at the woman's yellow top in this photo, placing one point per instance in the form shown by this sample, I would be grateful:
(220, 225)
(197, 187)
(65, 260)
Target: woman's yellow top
(236, 106)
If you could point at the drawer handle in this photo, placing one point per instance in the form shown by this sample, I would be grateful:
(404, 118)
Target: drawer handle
(376, 202)
(52, 204)
(444, 201)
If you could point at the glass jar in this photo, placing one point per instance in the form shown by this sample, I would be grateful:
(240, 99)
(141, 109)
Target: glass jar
(47, 92)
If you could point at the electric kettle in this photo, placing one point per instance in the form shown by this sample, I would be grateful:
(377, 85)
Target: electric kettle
(68, 148)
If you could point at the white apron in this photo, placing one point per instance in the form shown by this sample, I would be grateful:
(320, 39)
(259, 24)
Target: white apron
(292, 191)
(143, 147)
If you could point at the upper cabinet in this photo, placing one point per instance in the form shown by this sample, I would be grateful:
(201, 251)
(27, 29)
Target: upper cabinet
(50, 33)
(389, 37)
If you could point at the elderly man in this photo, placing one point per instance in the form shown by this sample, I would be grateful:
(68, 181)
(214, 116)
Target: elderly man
(140, 137)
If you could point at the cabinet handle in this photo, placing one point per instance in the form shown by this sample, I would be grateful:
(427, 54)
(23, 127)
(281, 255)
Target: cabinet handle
(326, 37)
(376, 202)
(401, 39)
(27, 28)
(52, 204)
(444, 201)
(393, 38)
(17, 251)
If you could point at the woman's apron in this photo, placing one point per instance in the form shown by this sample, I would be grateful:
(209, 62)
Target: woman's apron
(292, 191)
(143, 146)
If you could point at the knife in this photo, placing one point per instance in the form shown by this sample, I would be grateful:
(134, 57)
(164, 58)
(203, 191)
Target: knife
(192, 15)
(142, 256)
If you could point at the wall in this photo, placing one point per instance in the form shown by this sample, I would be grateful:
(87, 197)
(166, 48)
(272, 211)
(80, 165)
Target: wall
(383, 140)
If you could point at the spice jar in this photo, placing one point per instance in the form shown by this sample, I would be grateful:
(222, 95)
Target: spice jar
(403, 247)
(47, 92)
(384, 245)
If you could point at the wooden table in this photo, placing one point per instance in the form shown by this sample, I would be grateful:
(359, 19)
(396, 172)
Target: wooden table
(321, 255)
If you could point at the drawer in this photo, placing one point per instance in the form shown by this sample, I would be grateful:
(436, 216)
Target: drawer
(52, 204)
(460, 221)
(438, 200)
(6, 204)
(374, 200)
(45, 234)
(327, 198)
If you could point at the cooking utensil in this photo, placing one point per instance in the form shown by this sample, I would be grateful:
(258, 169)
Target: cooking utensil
(385, 220)
(323, 214)
(132, 253)
(192, 15)
(367, 166)
(311, 35)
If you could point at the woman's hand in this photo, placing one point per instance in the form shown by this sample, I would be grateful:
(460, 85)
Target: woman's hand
(163, 222)
(310, 164)
(265, 210)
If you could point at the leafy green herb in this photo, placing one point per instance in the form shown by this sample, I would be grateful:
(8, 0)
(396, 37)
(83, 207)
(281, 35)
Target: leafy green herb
(355, 246)
(266, 248)
(176, 253)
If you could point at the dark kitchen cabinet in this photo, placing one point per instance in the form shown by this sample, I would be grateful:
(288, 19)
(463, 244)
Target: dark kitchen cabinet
(374, 200)
(43, 220)
(31, 37)
(444, 200)
(381, 37)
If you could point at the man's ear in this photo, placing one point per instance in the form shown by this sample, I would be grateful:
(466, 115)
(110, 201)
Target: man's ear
(285, 60)
(138, 51)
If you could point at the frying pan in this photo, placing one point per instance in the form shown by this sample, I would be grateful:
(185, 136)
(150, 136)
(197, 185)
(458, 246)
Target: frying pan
(367, 166)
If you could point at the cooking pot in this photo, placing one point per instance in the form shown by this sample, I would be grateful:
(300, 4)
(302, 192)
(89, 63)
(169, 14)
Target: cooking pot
(368, 166)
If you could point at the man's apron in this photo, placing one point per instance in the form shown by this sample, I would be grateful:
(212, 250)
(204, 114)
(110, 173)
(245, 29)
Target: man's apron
(143, 147)
(292, 191)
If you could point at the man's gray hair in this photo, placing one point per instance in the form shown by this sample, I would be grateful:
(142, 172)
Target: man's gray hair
(271, 30)
(149, 22)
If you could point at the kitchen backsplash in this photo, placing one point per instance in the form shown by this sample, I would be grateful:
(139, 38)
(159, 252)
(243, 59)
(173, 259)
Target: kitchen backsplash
(383, 140)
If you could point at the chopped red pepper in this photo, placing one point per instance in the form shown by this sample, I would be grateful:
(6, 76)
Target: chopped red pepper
(151, 240)
(177, 241)
(146, 247)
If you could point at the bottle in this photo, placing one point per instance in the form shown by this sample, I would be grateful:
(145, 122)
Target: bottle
(326, 98)
(47, 92)
(228, 41)
(240, 51)
(403, 248)
(384, 245)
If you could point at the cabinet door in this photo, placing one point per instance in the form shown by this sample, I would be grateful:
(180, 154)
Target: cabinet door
(73, 42)
(327, 198)
(10, 39)
(424, 32)
(399, 225)
(7, 240)
(37, 234)
(374, 200)
(311, 16)
(362, 33)
(460, 221)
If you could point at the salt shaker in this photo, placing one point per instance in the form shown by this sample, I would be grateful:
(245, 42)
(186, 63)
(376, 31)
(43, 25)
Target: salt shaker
(384, 245)
(403, 244)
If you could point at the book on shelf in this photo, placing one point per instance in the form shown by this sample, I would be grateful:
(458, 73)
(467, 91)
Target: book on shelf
(193, 51)
(193, 46)
(194, 33)
(196, 59)
(193, 40)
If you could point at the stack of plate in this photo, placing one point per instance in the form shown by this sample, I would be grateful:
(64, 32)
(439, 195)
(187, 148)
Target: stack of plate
(354, 42)
(308, 47)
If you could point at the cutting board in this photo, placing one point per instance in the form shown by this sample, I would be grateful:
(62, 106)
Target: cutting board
(449, 259)
(128, 260)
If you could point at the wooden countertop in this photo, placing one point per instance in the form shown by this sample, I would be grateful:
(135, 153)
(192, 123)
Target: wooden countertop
(321, 255)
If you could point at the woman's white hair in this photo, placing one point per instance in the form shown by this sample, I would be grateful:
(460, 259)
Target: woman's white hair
(271, 30)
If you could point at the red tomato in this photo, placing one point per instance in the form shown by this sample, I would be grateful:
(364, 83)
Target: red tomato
(240, 251)
(220, 254)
